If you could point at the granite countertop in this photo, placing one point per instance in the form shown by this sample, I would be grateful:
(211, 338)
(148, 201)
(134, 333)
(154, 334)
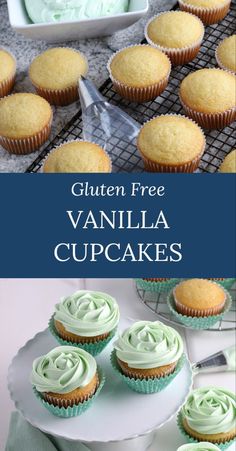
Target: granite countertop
(97, 51)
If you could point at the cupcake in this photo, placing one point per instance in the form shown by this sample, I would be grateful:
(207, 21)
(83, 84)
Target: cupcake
(156, 285)
(55, 74)
(178, 34)
(66, 379)
(25, 122)
(201, 446)
(77, 156)
(199, 297)
(7, 72)
(226, 54)
(209, 414)
(87, 318)
(207, 96)
(147, 354)
(171, 143)
(209, 11)
(229, 163)
(139, 73)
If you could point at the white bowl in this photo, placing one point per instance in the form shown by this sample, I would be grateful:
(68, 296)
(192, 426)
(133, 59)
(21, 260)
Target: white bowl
(67, 31)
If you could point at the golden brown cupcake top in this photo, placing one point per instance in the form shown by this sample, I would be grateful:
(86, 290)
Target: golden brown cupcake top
(7, 65)
(23, 115)
(209, 90)
(175, 29)
(226, 53)
(171, 139)
(229, 163)
(200, 294)
(58, 68)
(77, 156)
(205, 3)
(140, 66)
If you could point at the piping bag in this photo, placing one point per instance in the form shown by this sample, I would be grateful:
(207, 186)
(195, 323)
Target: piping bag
(220, 361)
(104, 123)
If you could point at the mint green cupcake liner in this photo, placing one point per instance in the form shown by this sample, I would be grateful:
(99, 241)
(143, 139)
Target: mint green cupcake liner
(151, 385)
(222, 446)
(198, 323)
(156, 287)
(77, 409)
(93, 348)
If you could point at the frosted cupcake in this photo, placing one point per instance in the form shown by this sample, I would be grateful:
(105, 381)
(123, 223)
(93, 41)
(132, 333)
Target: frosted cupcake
(25, 122)
(7, 72)
(176, 33)
(207, 96)
(55, 74)
(229, 163)
(201, 446)
(209, 414)
(226, 54)
(139, 73)
(209, 11)
(149, 355)
(66, 379)
(87, 318)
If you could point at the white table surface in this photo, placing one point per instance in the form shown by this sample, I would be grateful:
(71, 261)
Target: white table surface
(26, 305)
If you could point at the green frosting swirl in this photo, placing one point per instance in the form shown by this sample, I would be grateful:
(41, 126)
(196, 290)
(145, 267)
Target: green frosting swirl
(210, 410)
(62, 370)
(201, 446)
(88, 313)
(148, 344)
(41, 11)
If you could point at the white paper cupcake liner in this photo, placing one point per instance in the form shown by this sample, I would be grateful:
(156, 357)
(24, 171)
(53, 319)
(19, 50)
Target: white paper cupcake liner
(177, 56)
(23, 146)
(137, 94)
(207, 15)
(71, 141)
(7, 85)
(188, 167)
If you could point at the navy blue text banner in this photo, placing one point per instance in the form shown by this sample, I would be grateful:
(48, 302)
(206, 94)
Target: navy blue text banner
(126, 225)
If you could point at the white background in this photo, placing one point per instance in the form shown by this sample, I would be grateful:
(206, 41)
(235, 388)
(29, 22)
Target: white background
(26, 306)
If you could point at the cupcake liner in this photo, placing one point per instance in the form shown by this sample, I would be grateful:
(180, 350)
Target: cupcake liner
(220, 63)
(201, 322)
(151, 385)
(28, 145)
(188, 167)
(209, 16)
(210, 121)
(77, 409)
(222, 446)
(137, 94)
(93, 348)
(7, 85)
(177, 56)
(156, 287)
(71, 141)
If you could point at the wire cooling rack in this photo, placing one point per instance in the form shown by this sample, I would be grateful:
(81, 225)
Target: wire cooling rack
(125, 156)
(157, 303)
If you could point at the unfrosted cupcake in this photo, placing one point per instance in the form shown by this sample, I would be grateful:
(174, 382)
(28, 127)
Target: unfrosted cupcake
(201, 446)
(25, 122)
(139, 73)
(77, 156)
(55, 74)
(199, 298)
(148, 356)
(210, 414)
(178, 34)
(171, 143)
(229, 163)
(226, 54)
(7, 72)
(66, 379)
(87, 318)
(209, 11)
(208, 97)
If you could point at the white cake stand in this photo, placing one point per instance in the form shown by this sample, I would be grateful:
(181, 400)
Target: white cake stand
(117, 416)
